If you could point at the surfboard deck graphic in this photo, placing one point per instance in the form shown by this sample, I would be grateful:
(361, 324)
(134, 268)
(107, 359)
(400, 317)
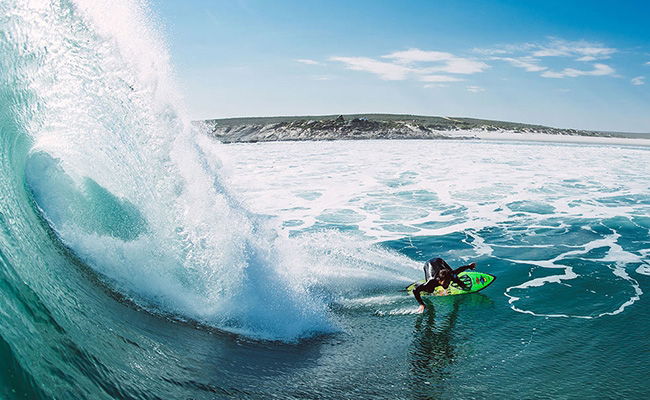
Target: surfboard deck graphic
(475, 280)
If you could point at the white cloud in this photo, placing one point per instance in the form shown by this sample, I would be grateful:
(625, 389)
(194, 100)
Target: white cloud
(440, 78)
(599, 70)
(459, 66)
(581, 50)
(549, 53)
(638, 81)
(434, 85)
(416, 55)
(593, 53)
(490, 52)
(307, 61)
(425, 66)
(445, 62)
(439, 66)
(385, 70)
(648, 63)
(551, 74)
(475, 89)
(530, 64)
(506, 49)
(530, 56)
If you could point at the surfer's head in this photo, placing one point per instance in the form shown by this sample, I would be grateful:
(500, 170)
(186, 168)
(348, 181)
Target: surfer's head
(442, 275)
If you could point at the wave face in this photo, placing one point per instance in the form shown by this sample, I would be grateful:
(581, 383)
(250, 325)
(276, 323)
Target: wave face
(96, 144)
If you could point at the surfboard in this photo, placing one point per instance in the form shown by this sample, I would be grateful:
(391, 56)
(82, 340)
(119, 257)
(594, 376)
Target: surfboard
(475, 280)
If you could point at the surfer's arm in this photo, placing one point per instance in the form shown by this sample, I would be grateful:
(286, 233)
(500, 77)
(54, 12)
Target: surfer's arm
(428, 287)
(416, 294)
(464, 268)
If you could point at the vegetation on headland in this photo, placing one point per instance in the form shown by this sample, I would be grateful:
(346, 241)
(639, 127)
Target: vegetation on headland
(370, 126)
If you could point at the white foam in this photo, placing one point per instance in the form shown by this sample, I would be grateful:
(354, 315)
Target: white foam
(479, 178)
(615, 255)
(399, 311)
(371, 301)
(643, 269)
(471, 186)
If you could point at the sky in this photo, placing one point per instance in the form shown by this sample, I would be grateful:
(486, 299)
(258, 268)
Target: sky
(569, 64)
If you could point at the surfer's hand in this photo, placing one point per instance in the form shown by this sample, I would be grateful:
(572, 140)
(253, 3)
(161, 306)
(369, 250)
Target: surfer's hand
(421, 309)
(472, 265)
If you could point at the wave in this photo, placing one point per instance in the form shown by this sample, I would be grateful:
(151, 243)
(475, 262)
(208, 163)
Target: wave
(135, 191)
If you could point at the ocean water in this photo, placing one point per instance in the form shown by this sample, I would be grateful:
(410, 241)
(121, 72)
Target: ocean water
(140, 259)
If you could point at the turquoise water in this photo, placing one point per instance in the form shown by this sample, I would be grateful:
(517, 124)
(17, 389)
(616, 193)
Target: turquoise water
(139, 259)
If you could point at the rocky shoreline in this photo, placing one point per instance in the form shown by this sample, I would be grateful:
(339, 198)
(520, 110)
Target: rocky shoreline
(371, 126)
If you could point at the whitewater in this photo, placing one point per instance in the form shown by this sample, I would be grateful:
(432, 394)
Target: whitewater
(140, 258)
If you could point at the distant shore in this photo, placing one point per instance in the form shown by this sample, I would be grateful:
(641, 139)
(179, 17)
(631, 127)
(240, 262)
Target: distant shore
(391, 126)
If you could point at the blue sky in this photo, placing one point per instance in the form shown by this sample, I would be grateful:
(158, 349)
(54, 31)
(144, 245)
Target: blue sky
(579, 64)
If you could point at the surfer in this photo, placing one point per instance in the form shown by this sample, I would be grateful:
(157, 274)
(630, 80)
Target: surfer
(438, 273)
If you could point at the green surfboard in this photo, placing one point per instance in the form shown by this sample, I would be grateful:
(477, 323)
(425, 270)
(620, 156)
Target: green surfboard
(475, 280)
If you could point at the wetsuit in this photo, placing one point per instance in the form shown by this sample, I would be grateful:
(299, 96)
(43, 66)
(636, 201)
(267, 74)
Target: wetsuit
(431, 269)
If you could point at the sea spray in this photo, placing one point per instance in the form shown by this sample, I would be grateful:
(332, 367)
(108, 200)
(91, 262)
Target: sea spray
(117, 171)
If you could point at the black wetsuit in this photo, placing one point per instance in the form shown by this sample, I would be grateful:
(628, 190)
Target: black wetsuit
(431, 269)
